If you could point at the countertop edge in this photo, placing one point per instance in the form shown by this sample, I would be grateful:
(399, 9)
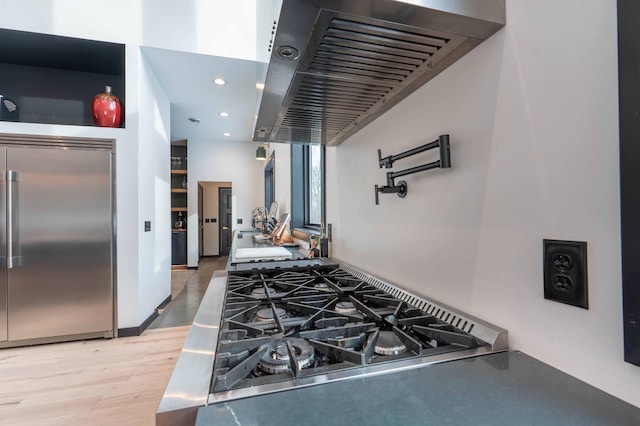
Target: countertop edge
(190, 381)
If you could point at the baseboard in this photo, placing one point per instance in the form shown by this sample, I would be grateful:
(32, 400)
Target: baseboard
(136, 331)
(129, 332)
(164, 303)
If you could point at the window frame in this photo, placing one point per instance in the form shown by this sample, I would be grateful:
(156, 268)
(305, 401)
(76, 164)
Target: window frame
(269, 182)
(300, 194)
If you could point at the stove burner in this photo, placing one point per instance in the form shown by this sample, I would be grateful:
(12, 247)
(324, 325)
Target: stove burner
(276, 359)
(259, 292)
(301, 322)
(267, 314)
(345, 308)
(389, 344)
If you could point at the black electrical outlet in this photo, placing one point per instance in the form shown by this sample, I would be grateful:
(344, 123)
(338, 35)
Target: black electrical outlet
(147, 226)
(565, 272)
(207, 221)
(239, 221)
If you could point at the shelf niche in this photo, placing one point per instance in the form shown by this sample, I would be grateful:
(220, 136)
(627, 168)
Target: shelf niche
(53, 79)
(179, 194)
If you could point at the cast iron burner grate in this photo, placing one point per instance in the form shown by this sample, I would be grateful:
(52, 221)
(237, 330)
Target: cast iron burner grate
(280, 325)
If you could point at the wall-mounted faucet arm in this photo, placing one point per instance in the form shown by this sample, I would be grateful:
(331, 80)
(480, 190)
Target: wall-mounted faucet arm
(401, 189)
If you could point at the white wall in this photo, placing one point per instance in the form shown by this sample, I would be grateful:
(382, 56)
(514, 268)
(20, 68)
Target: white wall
(210, 27)
(533, 121)
(212, 161)
(154, 197)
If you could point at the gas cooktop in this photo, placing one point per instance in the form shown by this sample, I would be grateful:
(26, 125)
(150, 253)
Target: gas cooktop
(273, 326)
(298, 326)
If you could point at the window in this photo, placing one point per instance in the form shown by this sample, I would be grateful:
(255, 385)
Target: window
(307, 186)
(314, 185)
(269, 182)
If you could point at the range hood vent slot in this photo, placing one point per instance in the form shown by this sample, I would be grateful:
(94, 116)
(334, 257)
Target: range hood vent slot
(352, 69)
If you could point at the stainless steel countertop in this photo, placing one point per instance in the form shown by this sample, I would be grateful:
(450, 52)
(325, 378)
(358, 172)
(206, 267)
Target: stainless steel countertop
(244, 239)
(188, 387)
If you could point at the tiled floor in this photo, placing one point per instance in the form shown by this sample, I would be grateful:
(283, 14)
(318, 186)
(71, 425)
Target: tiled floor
(190, 286)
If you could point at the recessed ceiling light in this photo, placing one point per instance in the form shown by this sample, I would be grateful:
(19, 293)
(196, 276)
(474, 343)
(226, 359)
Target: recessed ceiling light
(227, 134)
(194, 120)
(259, 86)
(223, 114)
(219, 81)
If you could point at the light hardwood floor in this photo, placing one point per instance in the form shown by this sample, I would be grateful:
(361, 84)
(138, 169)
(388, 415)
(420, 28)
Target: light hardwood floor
(95, 382)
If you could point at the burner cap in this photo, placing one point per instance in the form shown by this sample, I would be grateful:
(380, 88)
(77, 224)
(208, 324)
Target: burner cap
(320, 285)
(345, 308)
(259, 292)
(276, 359)
(389, 344)
(267, 314)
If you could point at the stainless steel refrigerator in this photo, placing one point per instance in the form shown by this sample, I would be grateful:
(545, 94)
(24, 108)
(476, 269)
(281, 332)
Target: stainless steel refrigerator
(57, 234)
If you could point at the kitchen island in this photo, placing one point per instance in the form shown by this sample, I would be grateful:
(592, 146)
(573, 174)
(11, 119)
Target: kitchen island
(507, 388)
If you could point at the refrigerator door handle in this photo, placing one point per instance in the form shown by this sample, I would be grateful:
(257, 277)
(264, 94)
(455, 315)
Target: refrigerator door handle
(11, 182)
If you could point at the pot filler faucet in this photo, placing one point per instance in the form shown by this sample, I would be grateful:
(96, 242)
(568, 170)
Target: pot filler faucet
(401, 188)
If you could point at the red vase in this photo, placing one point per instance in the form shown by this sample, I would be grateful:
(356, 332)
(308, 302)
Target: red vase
(106, 109)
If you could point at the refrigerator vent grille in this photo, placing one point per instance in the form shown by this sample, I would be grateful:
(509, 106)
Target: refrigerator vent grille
(58, 142)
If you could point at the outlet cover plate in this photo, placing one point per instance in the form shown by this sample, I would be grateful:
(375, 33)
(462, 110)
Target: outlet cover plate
(565, 272)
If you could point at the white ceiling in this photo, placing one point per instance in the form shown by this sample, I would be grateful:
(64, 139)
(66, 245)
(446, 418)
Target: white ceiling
(187, 79)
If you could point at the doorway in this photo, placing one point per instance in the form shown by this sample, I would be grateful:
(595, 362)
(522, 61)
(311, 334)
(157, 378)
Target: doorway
(210, 222)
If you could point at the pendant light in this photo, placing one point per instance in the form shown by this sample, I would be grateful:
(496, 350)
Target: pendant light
(261, 153)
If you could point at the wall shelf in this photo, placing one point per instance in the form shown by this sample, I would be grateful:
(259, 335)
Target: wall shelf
(53, 79)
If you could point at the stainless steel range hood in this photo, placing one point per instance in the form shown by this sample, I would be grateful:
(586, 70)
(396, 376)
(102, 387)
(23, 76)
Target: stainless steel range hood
(336, 65)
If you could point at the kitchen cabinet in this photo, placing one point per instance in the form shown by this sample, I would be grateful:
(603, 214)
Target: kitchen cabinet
(53, 79)
(179, 205)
